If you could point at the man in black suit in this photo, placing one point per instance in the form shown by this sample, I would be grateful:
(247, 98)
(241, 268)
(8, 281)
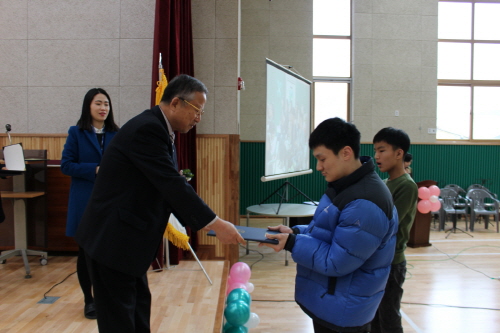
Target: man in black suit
(136, 190)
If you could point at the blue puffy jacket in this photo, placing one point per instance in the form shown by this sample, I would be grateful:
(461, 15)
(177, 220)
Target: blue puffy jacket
(344, 255)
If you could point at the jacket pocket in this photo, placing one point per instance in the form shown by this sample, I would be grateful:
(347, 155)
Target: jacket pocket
(132, 220)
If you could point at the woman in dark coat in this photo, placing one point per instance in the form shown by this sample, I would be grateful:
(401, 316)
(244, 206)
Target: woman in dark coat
(85, 145)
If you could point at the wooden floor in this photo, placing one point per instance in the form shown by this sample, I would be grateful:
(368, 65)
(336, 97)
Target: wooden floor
(183, 299)
(451, 286)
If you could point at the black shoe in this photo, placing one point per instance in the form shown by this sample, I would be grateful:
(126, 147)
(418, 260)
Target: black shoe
(89, 311)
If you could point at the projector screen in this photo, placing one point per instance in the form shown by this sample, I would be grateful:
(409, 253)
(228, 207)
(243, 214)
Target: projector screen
(288, 123)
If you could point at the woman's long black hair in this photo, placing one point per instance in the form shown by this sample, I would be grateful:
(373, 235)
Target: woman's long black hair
(85, 121)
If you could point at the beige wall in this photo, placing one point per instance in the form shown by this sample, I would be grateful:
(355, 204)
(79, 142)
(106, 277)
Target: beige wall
(53, 51)
(394, 61)
(278, 30)
(215, 44)
(395, 66)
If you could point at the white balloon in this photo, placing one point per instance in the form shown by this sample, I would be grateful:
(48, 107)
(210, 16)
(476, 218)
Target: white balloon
(250, 287)
(433, 198)
(253, 321)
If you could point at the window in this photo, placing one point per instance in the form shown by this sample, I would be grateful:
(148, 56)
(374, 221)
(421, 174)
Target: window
(468, 95)
(331, 59)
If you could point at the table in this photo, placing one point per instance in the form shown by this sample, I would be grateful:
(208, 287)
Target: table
(285, 211)
(20, 237)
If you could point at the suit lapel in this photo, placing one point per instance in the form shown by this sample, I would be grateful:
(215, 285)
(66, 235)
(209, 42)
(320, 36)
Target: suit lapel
(173, 152)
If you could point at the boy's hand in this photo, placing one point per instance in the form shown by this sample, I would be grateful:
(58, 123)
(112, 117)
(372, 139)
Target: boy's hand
(282, 229)
(282, 238)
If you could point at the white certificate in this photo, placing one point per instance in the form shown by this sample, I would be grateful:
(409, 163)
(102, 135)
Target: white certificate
(13, 156)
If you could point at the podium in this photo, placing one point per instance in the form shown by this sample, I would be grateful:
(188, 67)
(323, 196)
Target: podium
(27, 191)
(421, 228)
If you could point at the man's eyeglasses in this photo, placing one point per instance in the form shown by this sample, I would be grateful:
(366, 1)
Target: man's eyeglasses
(199, 112)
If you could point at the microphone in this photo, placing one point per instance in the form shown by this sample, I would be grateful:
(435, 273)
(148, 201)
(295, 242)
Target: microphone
(8, 128)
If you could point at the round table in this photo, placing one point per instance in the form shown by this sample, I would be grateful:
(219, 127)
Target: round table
(285, 211)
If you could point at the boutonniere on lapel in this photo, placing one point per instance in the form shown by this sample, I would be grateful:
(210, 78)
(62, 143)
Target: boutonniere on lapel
(187, 173)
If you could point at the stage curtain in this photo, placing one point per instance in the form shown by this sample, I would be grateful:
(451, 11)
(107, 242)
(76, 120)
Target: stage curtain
(174, 40)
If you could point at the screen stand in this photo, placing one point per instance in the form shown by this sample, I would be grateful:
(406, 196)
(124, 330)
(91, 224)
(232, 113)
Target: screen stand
(284, 188)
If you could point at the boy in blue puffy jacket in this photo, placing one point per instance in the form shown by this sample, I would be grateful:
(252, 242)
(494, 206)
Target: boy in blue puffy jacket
(344, 255)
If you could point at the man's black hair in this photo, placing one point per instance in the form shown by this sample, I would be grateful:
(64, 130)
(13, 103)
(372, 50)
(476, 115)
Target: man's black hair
(408, 157)
(397, 138)
(335, 134)
(183, 86)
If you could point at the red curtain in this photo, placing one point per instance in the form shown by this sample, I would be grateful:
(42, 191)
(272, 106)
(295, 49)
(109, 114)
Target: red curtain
(174, 40)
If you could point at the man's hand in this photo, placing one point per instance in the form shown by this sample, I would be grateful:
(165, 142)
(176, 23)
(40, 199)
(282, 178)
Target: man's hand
(226, 232)
(282, 238)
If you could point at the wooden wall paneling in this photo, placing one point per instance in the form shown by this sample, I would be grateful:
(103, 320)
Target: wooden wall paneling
(209, 186)
(218, 184)
(53, 143)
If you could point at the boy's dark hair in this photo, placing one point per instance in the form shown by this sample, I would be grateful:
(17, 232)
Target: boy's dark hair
(408, 157)
(335, 134)
(85, 121)
(183, 86)
(397, 138)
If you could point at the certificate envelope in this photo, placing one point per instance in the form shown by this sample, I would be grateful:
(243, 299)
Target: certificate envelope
(13, 156)
(253, 234)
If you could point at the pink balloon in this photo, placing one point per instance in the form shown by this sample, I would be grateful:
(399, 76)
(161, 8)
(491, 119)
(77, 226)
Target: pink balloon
(424, 206)
(433, 199)
(424, 193)
(240, 272)
(434, 190)
(435, 206)
(235, 285)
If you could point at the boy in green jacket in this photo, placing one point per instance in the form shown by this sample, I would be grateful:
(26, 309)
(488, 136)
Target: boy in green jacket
(391, 146)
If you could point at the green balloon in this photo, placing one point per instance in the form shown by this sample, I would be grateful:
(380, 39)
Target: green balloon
(226, 327)
(239, 294)
(237, 329)
(237, 313)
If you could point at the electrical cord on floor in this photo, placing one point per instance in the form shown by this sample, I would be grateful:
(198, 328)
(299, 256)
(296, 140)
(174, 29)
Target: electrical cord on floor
(45, 295)
(452, 306)
(408, 267)
(458, 262)
(261, 255)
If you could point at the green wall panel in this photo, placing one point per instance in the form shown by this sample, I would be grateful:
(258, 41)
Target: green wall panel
(447, 164)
